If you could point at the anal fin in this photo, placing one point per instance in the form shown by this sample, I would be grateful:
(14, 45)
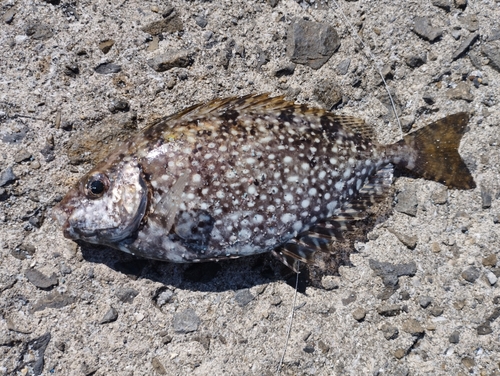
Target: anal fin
(321, 236)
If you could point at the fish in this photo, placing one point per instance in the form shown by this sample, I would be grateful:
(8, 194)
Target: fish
(247, 175)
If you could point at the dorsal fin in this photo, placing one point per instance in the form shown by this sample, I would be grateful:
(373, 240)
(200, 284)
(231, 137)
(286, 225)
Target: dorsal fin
(357, 126)
(321, 236)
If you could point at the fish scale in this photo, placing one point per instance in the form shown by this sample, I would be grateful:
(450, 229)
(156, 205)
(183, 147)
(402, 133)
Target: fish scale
(248, 175)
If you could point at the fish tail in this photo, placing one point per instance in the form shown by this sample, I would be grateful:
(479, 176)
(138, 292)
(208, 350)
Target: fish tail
(432, 152)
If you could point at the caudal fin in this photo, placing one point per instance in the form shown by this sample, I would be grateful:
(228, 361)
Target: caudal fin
(434, 150)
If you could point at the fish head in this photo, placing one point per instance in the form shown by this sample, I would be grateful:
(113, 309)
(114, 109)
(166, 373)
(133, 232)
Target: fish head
(106, 206)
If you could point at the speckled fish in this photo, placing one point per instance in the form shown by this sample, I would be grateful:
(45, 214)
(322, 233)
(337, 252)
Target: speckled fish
(242, 176)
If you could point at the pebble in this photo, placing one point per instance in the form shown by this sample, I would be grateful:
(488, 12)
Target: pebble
(201, 21)
(343, 67)
(470, 21)
(443, 4)
(440, 195)
(389, 310)
(492, 51)
(309, 348)
(359, 314)
(454, 337)
(311, 43)
(105, 46)
(413, 327)
(328, 93)
(126, 295)
(154, 44)
(492, 278)
(471, 274)
(490, 260)
(110, 316)
(158, 366)
(330, 282)
(349, 298)
(53, 300)
(485, 197)
(40, 280)
(167, 61)
(461, 91)
(285, 70)
(425, 30)
(39, 31)
(461, 4)
(415, 61)
(23, 252)
(391, 272)
(186, 321)
(399, 353)
(390, 332)
(8, 16)
(425, 301)
(407, 240)
(169, 24)
(495, 35)
(429, 98)
(118, 105)
(107, 68)
(436, 311)
(484, 329)
(407, 201)
(163, 296)
(7, 176)
(243, 297)
(465, 45)
(407, 123)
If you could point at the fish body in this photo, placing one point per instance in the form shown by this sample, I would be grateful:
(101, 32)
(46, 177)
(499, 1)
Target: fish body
(248, 175)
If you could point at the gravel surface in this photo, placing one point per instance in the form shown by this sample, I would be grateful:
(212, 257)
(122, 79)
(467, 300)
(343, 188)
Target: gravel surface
(421, 296)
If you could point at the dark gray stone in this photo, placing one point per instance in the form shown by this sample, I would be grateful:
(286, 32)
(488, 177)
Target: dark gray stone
(407, 123)
(495, 35)
(390, 332)
(110, 316)
(389, 310)
(328, 93)
(343, 67)
(407, 201)
(169, 24)
(40, 280)
(39, 31)
(173, 59)
(443, 4)
(471, 274)
(186, 321)
(425, 301)
(12, 138)
(107, 68)
(243, 297)
(429, 98)
(415, 61)
(106, 45)
(461, 4)
(484, 329)
(117, 105)
(311, 43)
(465, 45)
(492, 51)
(309, 348)
(425, 30)
(285, 70)
(53, 300)
(201, 21)
(454, 337)
(7, 176)
(351, 298)
(384, 269)
(8, 16)
(126, 295)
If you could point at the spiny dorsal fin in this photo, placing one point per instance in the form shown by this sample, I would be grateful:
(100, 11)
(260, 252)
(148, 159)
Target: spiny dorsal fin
(357, 126)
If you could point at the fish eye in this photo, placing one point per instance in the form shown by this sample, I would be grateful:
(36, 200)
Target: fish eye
(97, 185)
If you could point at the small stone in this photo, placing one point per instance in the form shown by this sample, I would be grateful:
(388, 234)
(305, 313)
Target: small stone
(323, 347)
(328, 93)
(167, 61)
(492, 278)
(471, 274)
(285, 70)
(169, 24)
(407, 240)
(359, 314)
(485, 197)
(60, 345)
(407, 123)
(470, 22)
(425, 301)
(8, 16)
(110, 316)
(415, 61)
(492, 51)
(443, 4)
(343, 67)
(425, 30)
(276, 300)
(118, 105)
(390, 332)
(436, 311)
(309, 348)
(456, 34)
(64, 269)
(107, 68)
(158, 366)
(186, 321)
(22, 156)
(7, 176)
(461, 91)
(413, 327)
(154, 43)
(429, 98)
(468, 362)
(461, 4)
(200, 21)
(465, 45)
(330, 282)
(454, 337)
(126, 295)
(311, 43)
(39, 31)
(399, 353)
(53, 300)
(40, 280)
(389, 310)
(162, 296)
(243, 297)
(440, 195)
(407, 201)
(105, 46)
(435, 247)
(351, 298)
